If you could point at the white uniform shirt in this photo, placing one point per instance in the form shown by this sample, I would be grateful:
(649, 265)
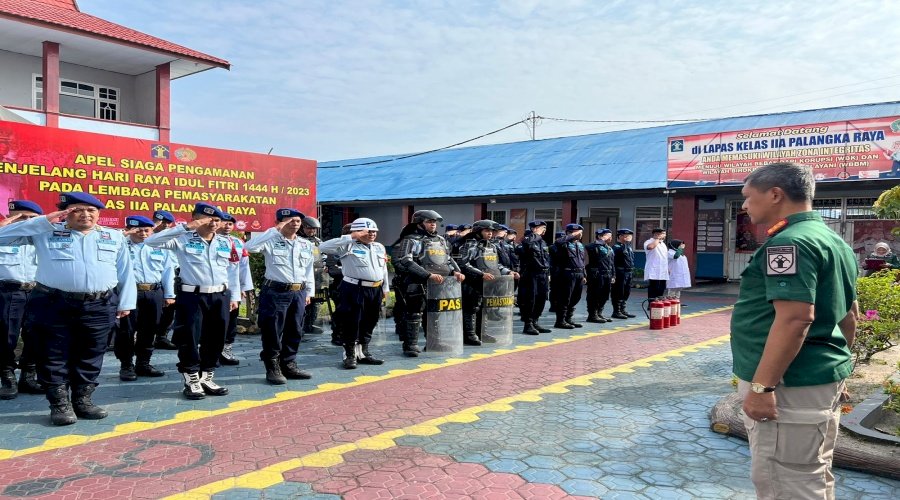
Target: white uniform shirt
(657, 265)
(359, 260)
(287, 261)
(679, 272)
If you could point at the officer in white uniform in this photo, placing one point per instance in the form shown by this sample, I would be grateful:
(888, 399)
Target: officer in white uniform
(656, 269)
(284, 294)
(363, 289)
(154, 272)
(18, 265)
(85, 279)
(209, 290)
(241, 259)
(163, 220)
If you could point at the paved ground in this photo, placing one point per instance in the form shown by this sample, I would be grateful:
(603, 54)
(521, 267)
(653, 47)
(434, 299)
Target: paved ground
(617, 412)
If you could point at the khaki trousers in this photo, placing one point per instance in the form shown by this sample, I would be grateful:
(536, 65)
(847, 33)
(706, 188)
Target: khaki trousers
(791, 457)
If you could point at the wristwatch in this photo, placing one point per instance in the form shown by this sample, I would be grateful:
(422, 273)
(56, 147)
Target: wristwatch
(760, 389)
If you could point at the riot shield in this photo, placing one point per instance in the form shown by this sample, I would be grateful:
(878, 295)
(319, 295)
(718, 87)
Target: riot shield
(443, 317)
(497, 311)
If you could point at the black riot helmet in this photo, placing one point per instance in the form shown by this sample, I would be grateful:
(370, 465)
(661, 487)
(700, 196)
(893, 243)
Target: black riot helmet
(311, 222)
(480, 225)
(421, 216)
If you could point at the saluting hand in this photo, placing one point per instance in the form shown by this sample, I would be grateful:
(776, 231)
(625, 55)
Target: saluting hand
(194, 224)
(58, 215)
(10, 220)
(358, 234)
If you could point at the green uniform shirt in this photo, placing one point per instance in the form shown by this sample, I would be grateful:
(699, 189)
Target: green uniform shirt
(804, 262)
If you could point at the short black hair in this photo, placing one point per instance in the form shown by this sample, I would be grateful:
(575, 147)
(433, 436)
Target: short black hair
(795, 180)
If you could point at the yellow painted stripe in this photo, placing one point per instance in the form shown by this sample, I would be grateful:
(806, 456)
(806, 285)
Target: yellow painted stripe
(329, 457)
(70, 440)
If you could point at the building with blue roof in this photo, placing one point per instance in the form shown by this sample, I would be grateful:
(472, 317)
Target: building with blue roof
(626, 179)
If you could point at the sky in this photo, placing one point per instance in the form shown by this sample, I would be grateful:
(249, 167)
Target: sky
(335, 79)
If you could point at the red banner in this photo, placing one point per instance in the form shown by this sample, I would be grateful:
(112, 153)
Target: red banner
(136, 177)
(846, 150)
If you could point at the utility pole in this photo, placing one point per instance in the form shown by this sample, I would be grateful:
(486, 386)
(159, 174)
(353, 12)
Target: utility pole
(533, 124)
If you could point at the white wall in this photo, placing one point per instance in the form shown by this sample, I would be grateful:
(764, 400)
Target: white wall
(15, 78)
(388, 220)
(145, 97)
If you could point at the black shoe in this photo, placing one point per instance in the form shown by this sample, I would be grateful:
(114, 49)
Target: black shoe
(8, 387)
(628, 314)
(209, 387)
(274, 375)
(563, 325)
(292, 371)
(127, 373)
(28, 383)
(411, 350)
(350, 363)
(576, 325)
(192, 388)
(313, 329)
(164, 344)
(83, 406)
(60, 406)
(350, 356)
(227, 357)
(593, 318)
(608, 320)
(147, 370)
(540, 328)
(619, 315)
(529, 329)
(471, 340)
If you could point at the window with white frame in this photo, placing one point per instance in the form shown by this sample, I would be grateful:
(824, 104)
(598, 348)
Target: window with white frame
(498, 216)
(646, 219)
(80, 98)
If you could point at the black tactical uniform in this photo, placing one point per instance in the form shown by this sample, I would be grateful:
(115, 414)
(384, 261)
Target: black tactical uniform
(568, 282)
(534, 263)
(601, 272)
(417, 255)
(621, 289)
(477, 257)
(312, 310)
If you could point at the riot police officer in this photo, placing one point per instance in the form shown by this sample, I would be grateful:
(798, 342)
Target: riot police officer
(534, 262)
(419, 255)
(84, 281)
(479, 262)
(554, 268)
(569, 279)
(308, 231)
(601, 272)
(18, 265)
(624, 261)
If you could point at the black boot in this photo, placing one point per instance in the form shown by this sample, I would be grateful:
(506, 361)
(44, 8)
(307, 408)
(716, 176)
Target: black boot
(529, 328)
(366, 358)
(273, 372)
(84, 407)
(292, 371)
(411, 338)
(209, 387)
(145, 369)
(625, 312)
(164, 343)
(126, 372)
(569, 313)
(192, 388)
(60, 407)
(28, 383)
(600, 313)
(539, 328)
(617, 311)
(350, 356)
(8, 388)
(593, 317)
(227, 356)
(470, 322)
(561, 320)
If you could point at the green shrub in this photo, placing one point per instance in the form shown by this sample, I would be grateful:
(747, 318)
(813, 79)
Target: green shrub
(879, 303)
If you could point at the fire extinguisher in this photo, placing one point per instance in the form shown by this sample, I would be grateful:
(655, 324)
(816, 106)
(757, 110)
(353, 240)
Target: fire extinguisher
(656, 314)
(666, 312)
(675, 318)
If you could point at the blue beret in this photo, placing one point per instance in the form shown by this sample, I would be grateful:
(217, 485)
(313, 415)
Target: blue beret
(208, 210)
(29, 206)
(67, 199)
(536, 223)
(138, 221)
(624, 230)
(574, 227)
(164, 216)
(560, 234)
(227, 217)
(601, 232)
(464, 226)
(450, 227)
(286, 213)
(504, 227)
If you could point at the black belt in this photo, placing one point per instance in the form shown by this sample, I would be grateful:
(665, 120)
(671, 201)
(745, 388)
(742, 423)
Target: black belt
(574, 269)
(85, 296)
(625, 269)
(146, 287)
(278, 286)
(16, 286)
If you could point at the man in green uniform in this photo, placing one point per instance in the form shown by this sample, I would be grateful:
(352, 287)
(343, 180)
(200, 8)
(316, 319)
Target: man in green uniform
(791, 332)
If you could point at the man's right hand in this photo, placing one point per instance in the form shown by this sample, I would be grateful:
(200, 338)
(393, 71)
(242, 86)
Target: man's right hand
(60, 214)
(194, 224)
(488, 277)
(436, 278)
(10, 220)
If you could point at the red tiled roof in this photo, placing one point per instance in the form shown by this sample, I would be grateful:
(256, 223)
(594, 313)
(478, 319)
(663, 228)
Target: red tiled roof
(63, 13)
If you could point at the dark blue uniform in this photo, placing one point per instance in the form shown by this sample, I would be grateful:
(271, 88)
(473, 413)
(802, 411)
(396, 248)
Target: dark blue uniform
(534, 263)
(568, 280)
(600, 275)
(621, 289)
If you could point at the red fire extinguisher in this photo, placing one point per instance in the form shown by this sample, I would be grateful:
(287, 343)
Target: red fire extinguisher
(667, 312)
(656, 314)
(675, 318)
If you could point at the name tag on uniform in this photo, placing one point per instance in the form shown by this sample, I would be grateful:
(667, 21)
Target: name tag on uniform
(62, 234)
(105, 236)
(360, 252)
(194, 249)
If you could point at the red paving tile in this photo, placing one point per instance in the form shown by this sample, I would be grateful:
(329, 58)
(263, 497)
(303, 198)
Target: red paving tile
(248, 440)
